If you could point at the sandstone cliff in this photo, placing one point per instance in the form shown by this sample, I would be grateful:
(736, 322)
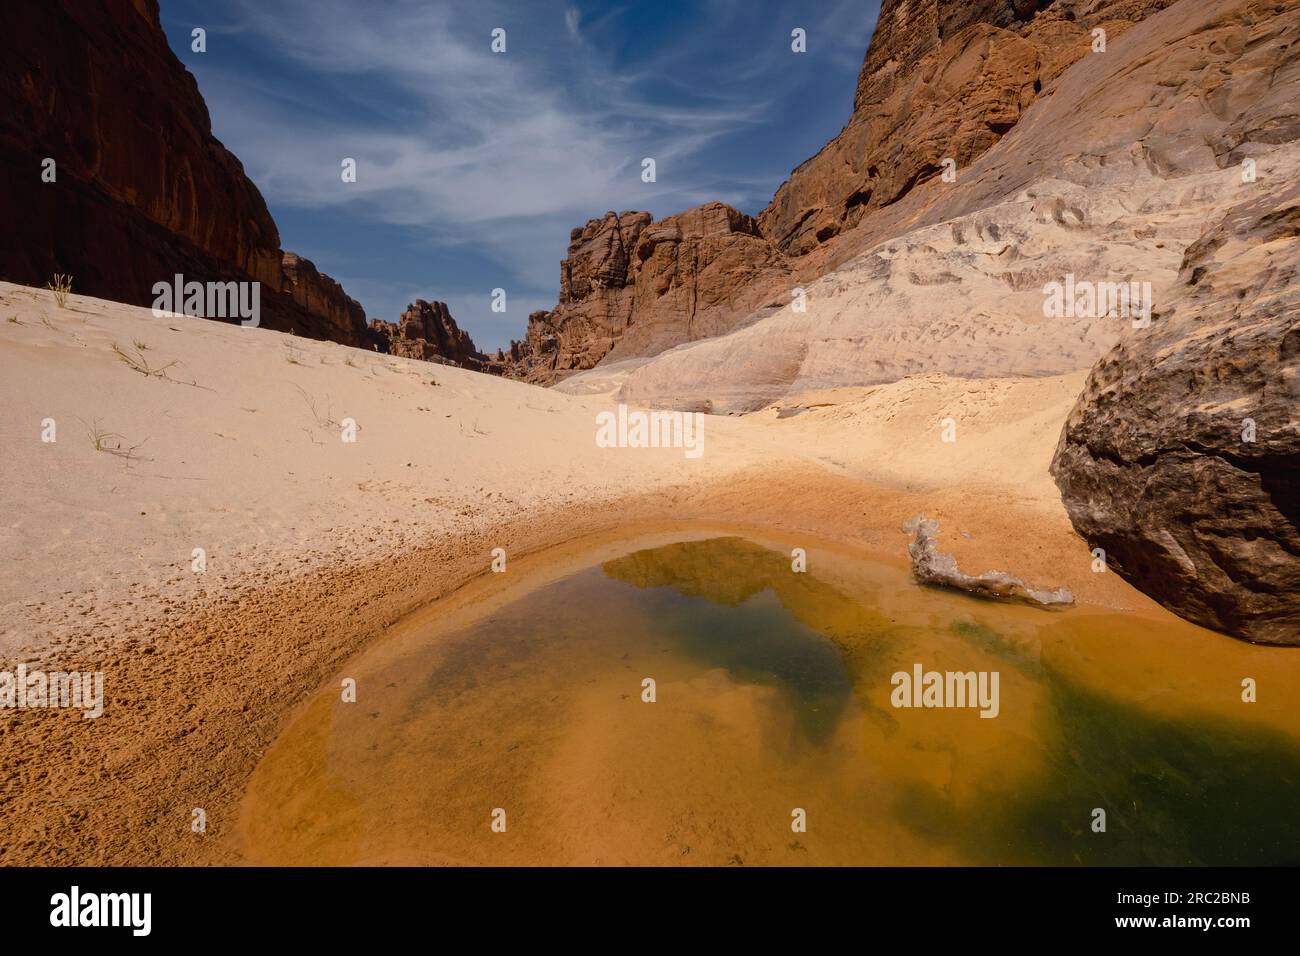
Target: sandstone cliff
(1110, 174)
(427, 331)
(143, 189)
(634, 286)
(941, 79)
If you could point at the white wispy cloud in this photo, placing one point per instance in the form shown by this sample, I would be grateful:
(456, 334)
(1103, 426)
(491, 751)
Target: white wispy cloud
(502, 152)
(573, 22)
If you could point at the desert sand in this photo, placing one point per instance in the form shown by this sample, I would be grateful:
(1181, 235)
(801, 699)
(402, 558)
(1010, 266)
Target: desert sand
(228, 439)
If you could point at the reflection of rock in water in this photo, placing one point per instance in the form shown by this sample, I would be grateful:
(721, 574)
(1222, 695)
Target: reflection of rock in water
(1175, 792)
(725, 570)
(732, 604)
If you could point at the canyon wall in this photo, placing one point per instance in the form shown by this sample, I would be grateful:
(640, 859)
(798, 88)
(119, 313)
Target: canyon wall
(143, 190)
(634, 286)
(941, 79)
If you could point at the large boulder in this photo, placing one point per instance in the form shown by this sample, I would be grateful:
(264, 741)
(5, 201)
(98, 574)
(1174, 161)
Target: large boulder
(1182, 457)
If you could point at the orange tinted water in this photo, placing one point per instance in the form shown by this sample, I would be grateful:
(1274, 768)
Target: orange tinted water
(773, 695)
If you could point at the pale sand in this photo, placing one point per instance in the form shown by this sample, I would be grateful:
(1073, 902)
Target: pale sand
(315, 546)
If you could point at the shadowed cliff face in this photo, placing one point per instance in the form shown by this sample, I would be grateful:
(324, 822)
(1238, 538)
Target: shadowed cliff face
(143, 189)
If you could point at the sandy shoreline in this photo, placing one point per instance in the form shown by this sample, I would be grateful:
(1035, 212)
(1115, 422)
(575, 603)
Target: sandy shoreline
(313, 555)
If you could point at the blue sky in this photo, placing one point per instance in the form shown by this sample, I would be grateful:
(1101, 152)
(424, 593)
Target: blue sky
(473, 167)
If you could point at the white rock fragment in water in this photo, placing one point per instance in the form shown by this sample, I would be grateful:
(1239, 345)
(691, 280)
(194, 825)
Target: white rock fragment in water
(931, 566)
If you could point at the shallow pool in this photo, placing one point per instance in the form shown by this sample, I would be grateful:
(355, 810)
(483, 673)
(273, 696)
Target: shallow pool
(773, 736)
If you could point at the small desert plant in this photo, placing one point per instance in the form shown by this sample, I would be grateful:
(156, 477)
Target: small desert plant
(137, 363)
(110, 442)
(60, 285)
(139, 346)
(323, 420)
(14, 320)
(292, 355)
(99, 438)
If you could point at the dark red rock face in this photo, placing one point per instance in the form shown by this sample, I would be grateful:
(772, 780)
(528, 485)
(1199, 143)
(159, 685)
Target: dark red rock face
(143, 189)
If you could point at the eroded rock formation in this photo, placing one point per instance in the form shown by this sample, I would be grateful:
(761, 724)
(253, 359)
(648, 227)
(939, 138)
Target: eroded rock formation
(942, 79)
(633, 286)
(427, 331)
(143, 190)
(1182, 457)
(1112, 172)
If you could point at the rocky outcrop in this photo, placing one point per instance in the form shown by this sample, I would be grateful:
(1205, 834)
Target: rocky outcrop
(1182, 457)
(937, 569)
(942, 79)
(634, 286)
(426, 331)
(143, 190)
(319, 295)
(1109, 176)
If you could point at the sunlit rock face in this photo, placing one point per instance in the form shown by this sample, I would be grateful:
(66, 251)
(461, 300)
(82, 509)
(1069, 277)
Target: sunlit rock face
(1115, 169)
(942, 79)
(427, 331)
(633, 286)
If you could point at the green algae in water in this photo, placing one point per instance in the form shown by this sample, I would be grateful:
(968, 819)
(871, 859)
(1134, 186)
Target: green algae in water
(1176, 792)
(738, 621)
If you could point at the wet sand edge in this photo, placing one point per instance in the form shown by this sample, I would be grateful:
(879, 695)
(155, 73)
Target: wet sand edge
(189, 714)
